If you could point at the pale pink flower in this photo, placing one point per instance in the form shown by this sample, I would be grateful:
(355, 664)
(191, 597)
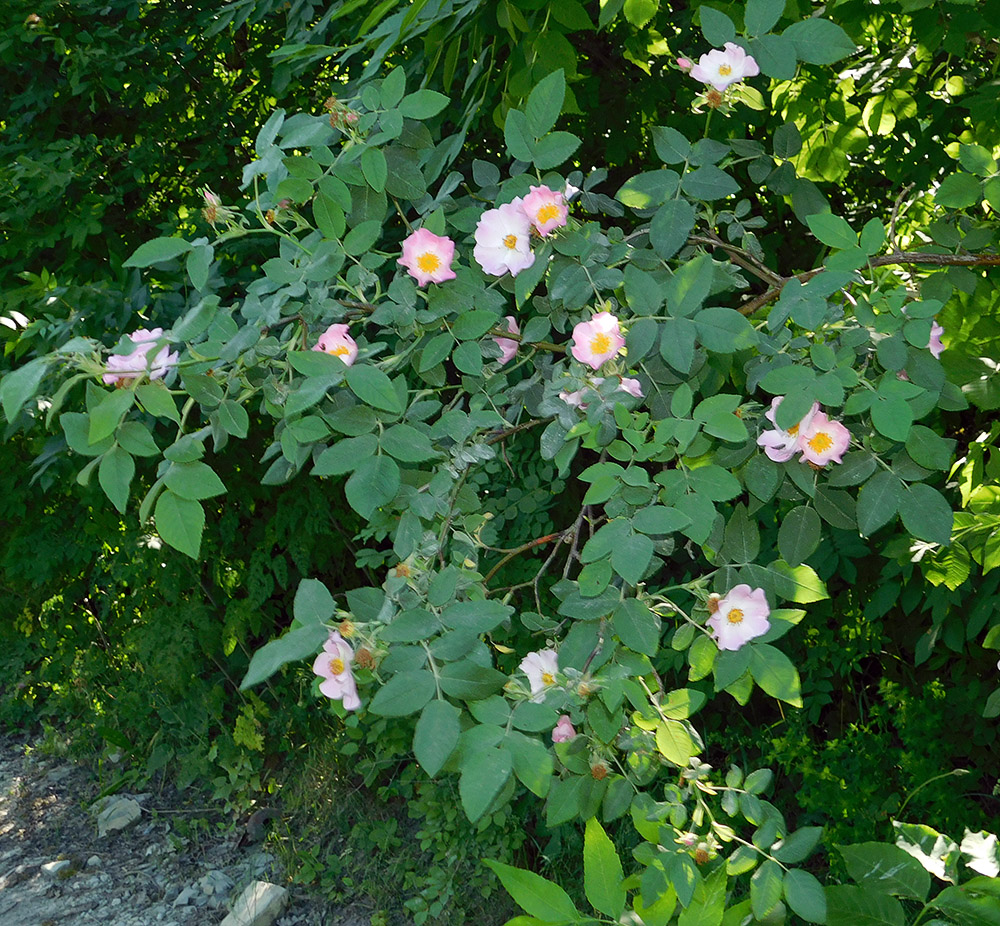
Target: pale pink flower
(541, 669)
(333, 665)
(335, 340)
(685, 64)
(722, 67)
(741, 616)
(632, 386)
(598, 340)
(823, 440)
(563, 731)
(546, 209)
(934, 345)
(781, 445)
(124, 368)
(575, 399)
(508, 346)
(570, 191)
(427, 257)
(503, 240)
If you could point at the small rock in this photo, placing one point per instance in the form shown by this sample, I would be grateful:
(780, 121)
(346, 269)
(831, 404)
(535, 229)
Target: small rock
(117, 815)
(184, 897)
(259, 905)
(54, 869)
(216, 882)
(94, 862)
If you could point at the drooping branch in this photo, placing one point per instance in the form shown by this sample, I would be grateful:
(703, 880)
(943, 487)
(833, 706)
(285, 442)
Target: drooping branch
(885, 260)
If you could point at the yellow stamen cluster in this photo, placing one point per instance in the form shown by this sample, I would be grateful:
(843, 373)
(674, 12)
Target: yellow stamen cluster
(337, 665)
(428, 262)
(600, 343)
(510, 242)
(548, 212)
(735, 616)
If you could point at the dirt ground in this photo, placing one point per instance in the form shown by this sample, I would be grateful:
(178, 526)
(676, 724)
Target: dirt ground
(156, 871)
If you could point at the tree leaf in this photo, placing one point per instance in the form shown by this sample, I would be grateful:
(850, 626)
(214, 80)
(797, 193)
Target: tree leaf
(115, 475)
(300, 643)
(602, 871)
(157, 251)
(484, 773)
(536, 895)
(371, 385)
(179, 522)
(436, 735)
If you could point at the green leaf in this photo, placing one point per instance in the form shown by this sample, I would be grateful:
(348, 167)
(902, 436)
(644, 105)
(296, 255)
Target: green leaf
(534, 894)
(157, 251)
(761, 15)
(484, 773)
(797, 846)
(724, 330)
(670, 227)
(688, 288)
(373, 484)
(179, 522)
(670, 145)
(658, 520)
(20, 385)
(638, 12)
(926, 514)
(602, 871)
(832, 230)
(371, 385)
(436, 735)
(313, 602)
(935, 851)
(533, 763)
(648, 190)
(892, 417)
(819, 41)
(469, 681)
(741, 541)
(194, 480)
(631, 556)
(107, 414)
(887, 868)
(346, 455)
(765, 889)
(517, 136)
(329, 217)
(360, 240)
(959, 191)
(799, 535)
(545, 103)
(115, 475)
(300, 643)
(199, 262)
(677, 342)
(878, 502)
(928, 449)
(375, 171)
(407, 444)
(405, 693)
(422, 104)
(797, 583)
(805, 896)
(157, 400)
(76, 427)
(709, 182)
(848, 905)
(674, 742)
(136, 439)
(717, 27)
(554, 149)
(775, 673)
(787, 140)
(637, 627)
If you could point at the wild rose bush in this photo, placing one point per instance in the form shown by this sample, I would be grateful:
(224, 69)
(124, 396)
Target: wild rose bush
(416, 315)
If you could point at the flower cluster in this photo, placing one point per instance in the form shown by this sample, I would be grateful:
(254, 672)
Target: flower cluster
(341, 116)
(816, 437)
(503, 235)
(124, 368)
(738, 617)
(333, 665)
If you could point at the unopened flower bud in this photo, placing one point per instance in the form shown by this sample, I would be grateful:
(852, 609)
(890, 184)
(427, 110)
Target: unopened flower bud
(347, 629)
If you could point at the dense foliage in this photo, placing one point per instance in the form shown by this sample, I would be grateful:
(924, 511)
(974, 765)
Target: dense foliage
(710, 470)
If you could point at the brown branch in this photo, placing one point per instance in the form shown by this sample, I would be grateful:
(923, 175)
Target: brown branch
(517, 551)
(503, 435)
(897, 257)
(739, 256)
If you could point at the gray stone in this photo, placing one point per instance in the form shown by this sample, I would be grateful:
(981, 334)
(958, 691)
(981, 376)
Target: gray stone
(52, 870)
(184, 897)
(118, 814)
(259, 905)
(94, 862)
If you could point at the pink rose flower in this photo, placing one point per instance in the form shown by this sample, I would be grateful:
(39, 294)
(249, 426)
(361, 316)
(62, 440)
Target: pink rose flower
(781, 445)
(632, 386)
(333, 665)
(503, 240)
(427, 257)
(508, 346)
(823, 440)
(722, 67)
(741, 616)
(934, 345)
(541, 669)
(124, 368)
(546, 209)
(685, 64)
(563, 731)
(598, 340)
(335, 340)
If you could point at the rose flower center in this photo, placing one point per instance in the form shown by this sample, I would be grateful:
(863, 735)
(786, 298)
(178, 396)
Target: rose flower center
(548, 212)
(600, 343)
(820, 442)
(725, 70)
(510, 242)
(337, 665)
(428, 262)
(735, 616)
